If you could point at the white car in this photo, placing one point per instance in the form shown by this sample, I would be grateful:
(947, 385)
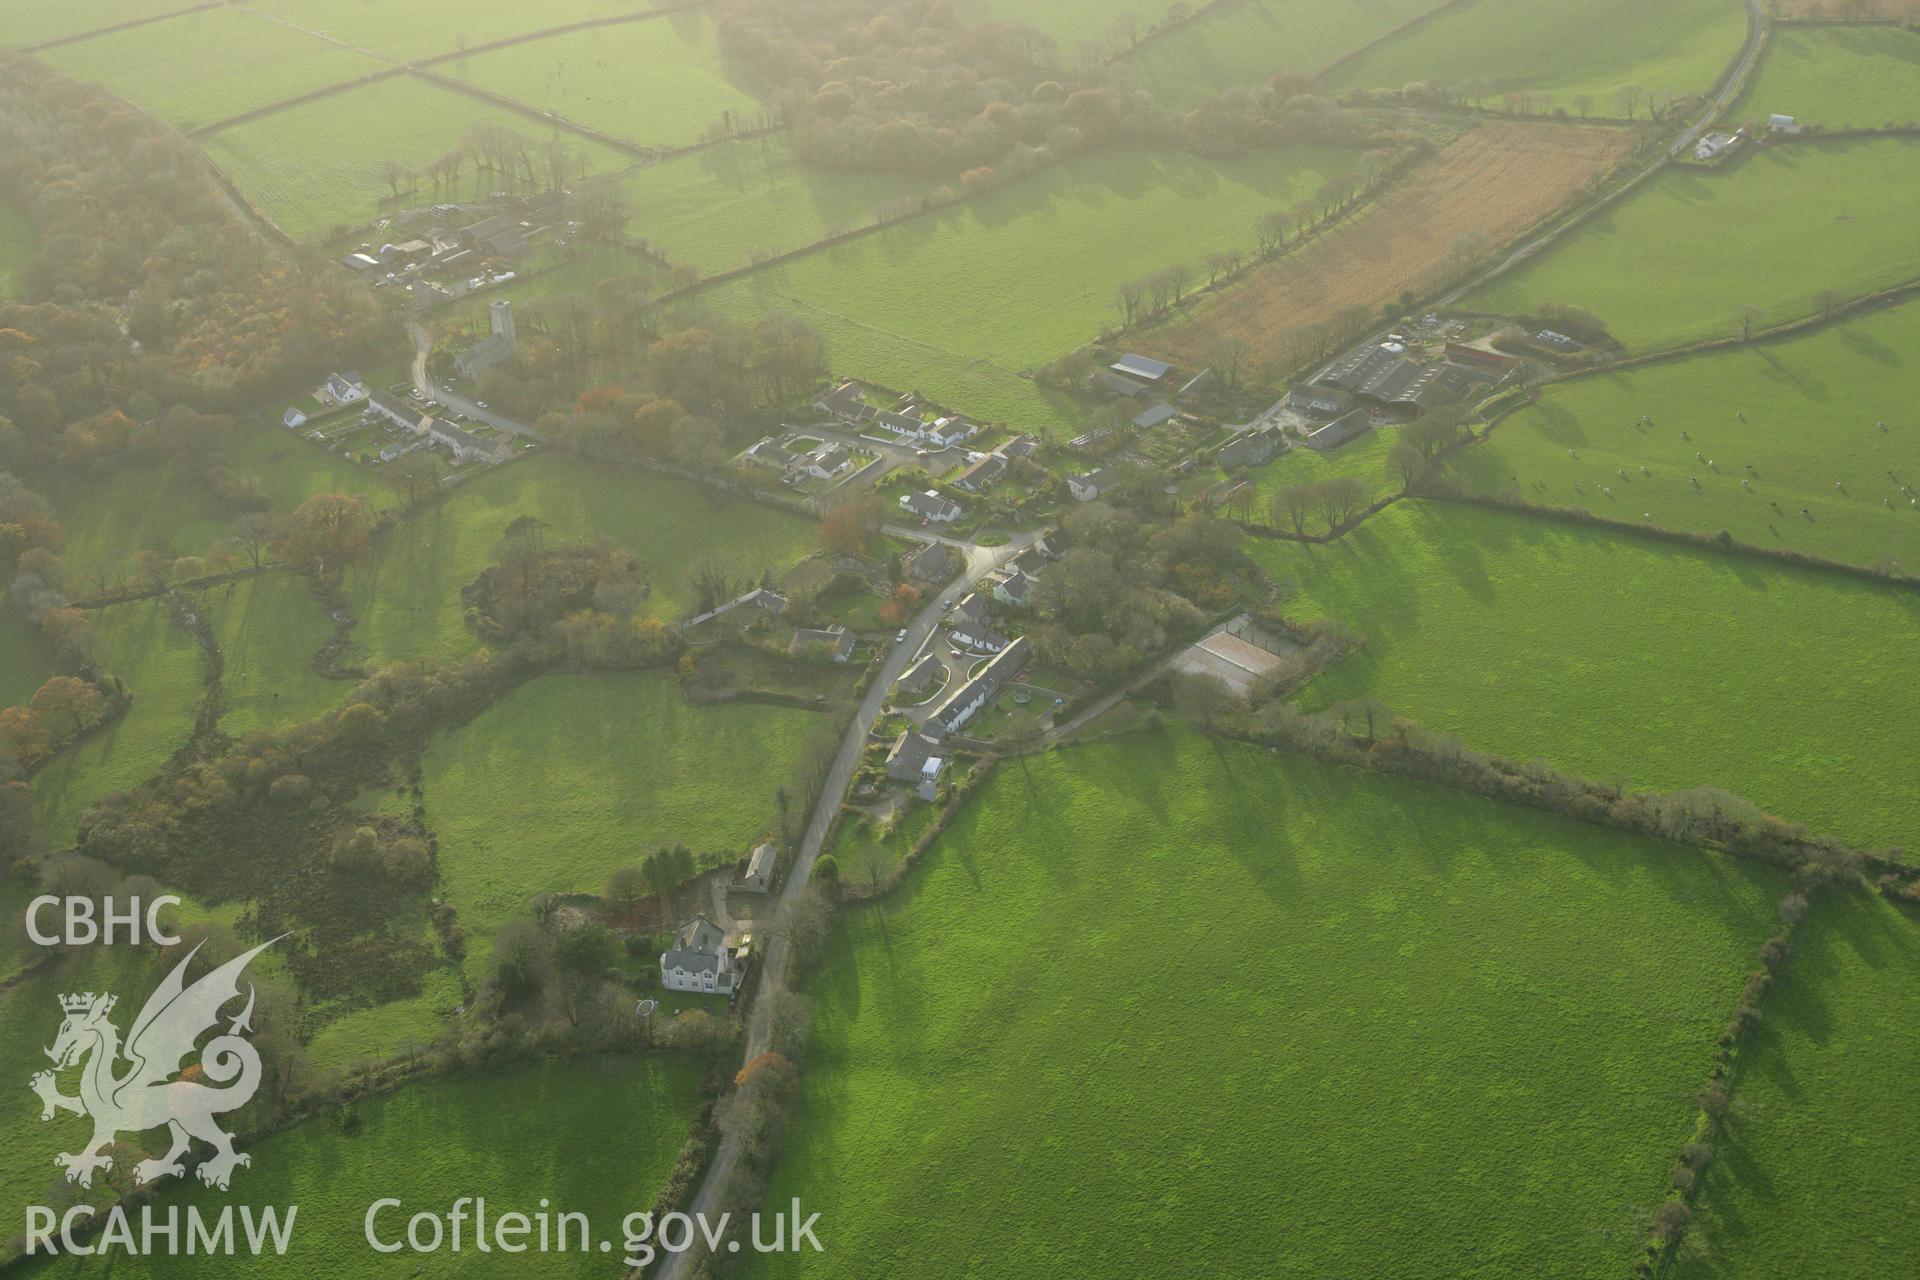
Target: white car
(481, 403)
(901, 638)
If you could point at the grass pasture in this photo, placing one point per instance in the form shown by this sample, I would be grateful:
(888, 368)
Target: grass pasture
(1562, 50)
(1070, 22)
(26, 659)
(1811, 407)
(315, 168)
(659, 82)
(428, 28)
(1838, 77)
(717, 206)
(28, 22)
(1496, 181)
(268, 629)
(1248, 42)
(407, 599)
(203, 67)
(594, 1135)
(569, 778)
(1819, 1169)
(1677, 259)
(160, 663)
(1611, 655)
(1349, 1009)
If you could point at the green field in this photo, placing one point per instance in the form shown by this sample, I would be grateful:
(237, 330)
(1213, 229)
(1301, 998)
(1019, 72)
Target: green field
(1819, 1169)
(1246, 43)
(27, 22)
(716, 207)
(660, 82)
(570, 778)
(160, 663)
(1812, 407)
(1613, 655)
(1173, 993)
(553, 275)
(208, 66)
(427, 28)
(268, 629)
(1364, 459)
(26, 659)
(316, 168)
(1563, 50)
(1024, 272)
(1676, 260)
(1069, 22)
(18, 243)
(595, 1136)
(1836, 77)
(407, 599)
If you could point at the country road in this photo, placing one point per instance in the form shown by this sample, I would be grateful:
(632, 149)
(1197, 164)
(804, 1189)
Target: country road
(422, 347)
(776, 958)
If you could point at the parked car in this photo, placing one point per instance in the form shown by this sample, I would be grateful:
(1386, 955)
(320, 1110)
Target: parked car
(902, 637)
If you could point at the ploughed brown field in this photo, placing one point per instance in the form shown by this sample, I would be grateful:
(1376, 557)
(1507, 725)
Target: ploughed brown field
(1482, 190)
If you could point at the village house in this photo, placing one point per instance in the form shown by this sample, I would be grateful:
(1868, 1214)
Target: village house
(344, 389)
(970, 608)
(919, 676)
(844, 401)
(1014, 589)
(975, 634)
(466, 446)
(912, 760)
(771, 453)
(762, 864)
(701, 960)
(963, 703)
(1021, 446)
(981, 476)
(835, 642)
(931, 562)
(827, 461)
(1031, 560)
(1090, 486)
(929, 505)
(497, 346)
(293, 419)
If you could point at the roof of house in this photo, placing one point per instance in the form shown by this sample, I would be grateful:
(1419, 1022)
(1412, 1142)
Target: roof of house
(931, 560)
(1098, 479)
(458, 437)
(1021, 446)
(983, 472)
(1154, 417)
(843, 399)
(771, 451)
(970, 608)
(1030, 561)
(292, 417)
(976, 634)
(921, 673)
(1250, 449)
(761, 862)
(1015, 586)
(929, 504)
(1002, 667)
(832, 457)
(1142, 367)
(909, 755)
(696, 946)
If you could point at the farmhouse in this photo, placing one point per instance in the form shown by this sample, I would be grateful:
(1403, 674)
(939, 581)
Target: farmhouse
(961, 705)
(929, 505)
(979, 477)
(497, 346)
(701, 960)
(344, 388)
(1251, 449)
(835, 642)
(1091, 485)
(912, 760)
(1323, 403)
(762, 864)
(1715, 144)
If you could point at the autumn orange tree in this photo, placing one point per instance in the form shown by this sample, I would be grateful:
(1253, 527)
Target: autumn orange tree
(847, 528)
(328, 529)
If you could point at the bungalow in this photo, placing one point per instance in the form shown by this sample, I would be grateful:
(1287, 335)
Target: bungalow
(930, 563)
(931, 506)
(1030, 561)
(762, 864)
(1153, 417)
(844, 401)
(1250, 450)
(969, 609)
(964, 702)
(293, 419)
(1147, 370)
(701, 960)
(1353, 425)
(979, 477)
(344, 388)
(828, 461)
(835, 642)
(1090, 486)
(1014, 589)
(912, 760)
(977, 635)
(1021, 446)
(944, 433)
(771, 453)
(919, 676)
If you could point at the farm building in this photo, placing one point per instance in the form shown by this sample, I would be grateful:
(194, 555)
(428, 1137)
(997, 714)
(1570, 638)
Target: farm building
(966, 701)
(1251, 449)
(701, 960)
(929, 505)
(1336, 433)
(762, 864)
(1153, 417)
(1715, 144)
(1150, 371)
(1783, 124)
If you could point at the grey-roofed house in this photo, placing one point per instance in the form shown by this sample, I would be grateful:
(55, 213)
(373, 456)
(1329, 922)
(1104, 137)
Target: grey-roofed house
(1014, 589)
(1250, 450)
(971, 608)
(1030, 561)
(1091, 485)
(975, 634)
(771, 453)
(828, 461)
(700, 960)
(293, 419)
(345, 388)
(962, 704)
(396, 410)
(929, 505)
(464, 444)
(915, 759)
(836, 642)
(1312, 401)
(844, 401)
(931, 562)
(982, 474)
(920, 676)
(762, 865)
(1021, 446)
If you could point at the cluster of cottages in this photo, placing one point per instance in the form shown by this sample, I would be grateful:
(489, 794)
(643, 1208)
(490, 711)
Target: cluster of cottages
(1714, 145)
(423, 429)
(903, 428)
(823, 460)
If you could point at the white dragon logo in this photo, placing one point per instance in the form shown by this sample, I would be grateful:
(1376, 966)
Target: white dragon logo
(147, 1095)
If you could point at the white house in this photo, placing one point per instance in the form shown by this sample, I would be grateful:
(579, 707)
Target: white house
(931, 506)
(828, 461)
(1090, 486)
(1014, 589)
(1783, 124)
(344, 388)
(947, 432)
(293, 419)
(977, 635)
(1715, 144)
(701, 960)
(964, 702)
